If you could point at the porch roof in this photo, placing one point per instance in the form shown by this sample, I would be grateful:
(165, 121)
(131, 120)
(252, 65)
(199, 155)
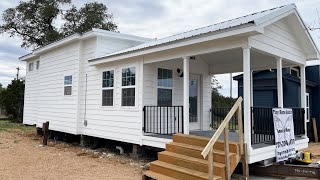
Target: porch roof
(256, 21)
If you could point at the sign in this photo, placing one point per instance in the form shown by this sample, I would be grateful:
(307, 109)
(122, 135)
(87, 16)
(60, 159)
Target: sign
(284, 133)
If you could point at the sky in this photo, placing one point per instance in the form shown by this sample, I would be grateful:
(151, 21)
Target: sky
(161, 18)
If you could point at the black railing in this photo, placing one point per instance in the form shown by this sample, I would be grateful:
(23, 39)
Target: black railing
(165, 120)
(263, 127)
(298, 121)
(217, 116)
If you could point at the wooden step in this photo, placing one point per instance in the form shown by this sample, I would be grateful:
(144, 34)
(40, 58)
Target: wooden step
(191, 162)
(157, 176)
(177, 171)
(203, 141)
(195, 151)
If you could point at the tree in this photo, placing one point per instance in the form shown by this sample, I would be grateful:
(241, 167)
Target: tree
(218, 100)
(11, 99)
(34, 21)
(0, 86)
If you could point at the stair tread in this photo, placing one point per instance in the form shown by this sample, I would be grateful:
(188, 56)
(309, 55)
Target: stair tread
(198, 148)
(193, 159)
(157, 176)
(203, 138)
(183, 170)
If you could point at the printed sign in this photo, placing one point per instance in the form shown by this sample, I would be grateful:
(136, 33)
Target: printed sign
(284, 133)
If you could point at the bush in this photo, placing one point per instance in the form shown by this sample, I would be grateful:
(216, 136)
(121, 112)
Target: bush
(11, 99)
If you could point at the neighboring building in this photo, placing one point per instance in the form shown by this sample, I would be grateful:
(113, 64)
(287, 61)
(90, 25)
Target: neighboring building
(138, 90)
(265, 89)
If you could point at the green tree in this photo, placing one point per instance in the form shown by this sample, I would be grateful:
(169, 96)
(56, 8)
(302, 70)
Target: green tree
(34, 20)
(11, 99)
(218, 100)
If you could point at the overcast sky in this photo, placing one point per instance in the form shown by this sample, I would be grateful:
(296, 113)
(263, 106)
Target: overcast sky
(161, 18)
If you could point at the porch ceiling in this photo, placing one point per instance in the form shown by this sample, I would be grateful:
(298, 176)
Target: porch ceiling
(230, 61)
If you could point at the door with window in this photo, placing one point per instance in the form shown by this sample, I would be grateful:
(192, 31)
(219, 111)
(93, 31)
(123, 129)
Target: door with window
(194, 102)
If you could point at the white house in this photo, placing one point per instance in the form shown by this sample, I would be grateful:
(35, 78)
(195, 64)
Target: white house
(139, 90)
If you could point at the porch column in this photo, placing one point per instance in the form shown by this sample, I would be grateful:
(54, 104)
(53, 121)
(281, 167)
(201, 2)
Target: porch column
(279, 82)
(247, 96)
(186, 95)
(303, 94)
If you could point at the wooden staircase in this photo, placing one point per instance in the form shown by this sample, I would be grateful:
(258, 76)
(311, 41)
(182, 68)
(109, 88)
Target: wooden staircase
(182, 159)
(191, 157)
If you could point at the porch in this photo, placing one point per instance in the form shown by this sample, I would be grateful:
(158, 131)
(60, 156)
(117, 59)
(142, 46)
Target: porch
(177, 98)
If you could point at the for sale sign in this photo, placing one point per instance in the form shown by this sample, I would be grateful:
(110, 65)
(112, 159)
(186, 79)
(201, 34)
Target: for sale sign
(284, 133)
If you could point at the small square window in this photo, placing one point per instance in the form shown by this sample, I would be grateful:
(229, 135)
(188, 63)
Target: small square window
(68, 90)
(67, 80)
(37, 64)
(67, 85)
(31, 66)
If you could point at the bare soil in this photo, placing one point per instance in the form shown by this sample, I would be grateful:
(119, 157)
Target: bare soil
(23, 157)
(314, 149)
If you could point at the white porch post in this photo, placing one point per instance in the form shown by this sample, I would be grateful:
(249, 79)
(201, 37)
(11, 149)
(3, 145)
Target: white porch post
(186, 95)
(279, 82)
(247, 96)
(303, 94)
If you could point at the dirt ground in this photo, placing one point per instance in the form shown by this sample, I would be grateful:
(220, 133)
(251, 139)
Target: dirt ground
(314, 148)
(23, 157)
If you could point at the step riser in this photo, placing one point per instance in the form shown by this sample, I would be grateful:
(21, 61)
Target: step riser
(203, 142)
(194, 153)
(172, 173)
(219, 171)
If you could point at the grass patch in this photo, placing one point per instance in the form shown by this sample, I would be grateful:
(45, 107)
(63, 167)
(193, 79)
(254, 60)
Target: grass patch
(7, 126)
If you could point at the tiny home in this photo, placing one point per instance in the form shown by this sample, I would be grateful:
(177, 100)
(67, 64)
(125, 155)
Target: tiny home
(142, 91)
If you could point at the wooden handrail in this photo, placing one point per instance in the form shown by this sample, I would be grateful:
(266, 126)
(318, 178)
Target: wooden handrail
(222, 126)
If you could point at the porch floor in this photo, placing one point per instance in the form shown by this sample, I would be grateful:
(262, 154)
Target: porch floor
(233, 136)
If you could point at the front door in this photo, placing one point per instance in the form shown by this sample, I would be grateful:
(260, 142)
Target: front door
(194, 102)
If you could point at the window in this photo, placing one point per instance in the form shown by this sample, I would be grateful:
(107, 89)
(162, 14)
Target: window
(31, 66)
(128, 86)
(295, 72)
(38, 65)
(107, 88)
(164, 87)
(68, 85)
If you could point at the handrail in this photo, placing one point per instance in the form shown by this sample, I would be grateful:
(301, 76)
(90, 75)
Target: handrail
(222, 126)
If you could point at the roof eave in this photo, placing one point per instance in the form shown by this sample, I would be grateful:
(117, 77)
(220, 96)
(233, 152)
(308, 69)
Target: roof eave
(249, 28)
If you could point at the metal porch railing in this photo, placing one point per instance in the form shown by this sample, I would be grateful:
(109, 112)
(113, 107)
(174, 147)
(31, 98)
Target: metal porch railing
(164, 120)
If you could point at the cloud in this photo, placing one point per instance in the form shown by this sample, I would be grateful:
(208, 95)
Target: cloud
(163, 18)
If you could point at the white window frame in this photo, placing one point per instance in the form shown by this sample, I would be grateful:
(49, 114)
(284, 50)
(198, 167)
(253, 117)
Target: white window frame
(37, 65)
(295, 69)
(308, 107)
(127, 87)
(31, 66)
(108, 88)
(67, 85)
(164, 87)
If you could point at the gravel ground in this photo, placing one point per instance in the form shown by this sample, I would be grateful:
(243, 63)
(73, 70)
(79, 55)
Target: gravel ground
(23, 157)
(314, 148)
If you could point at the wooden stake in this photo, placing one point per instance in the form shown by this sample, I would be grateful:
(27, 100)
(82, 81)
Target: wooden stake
(315, 130)
(45, 129)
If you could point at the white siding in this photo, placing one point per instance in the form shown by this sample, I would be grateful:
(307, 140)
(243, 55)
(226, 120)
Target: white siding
(278, 39)
(117, 122)
(53, 105)
(30, 113)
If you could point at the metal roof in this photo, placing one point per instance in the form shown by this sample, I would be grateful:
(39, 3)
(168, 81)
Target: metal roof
(255, 18)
